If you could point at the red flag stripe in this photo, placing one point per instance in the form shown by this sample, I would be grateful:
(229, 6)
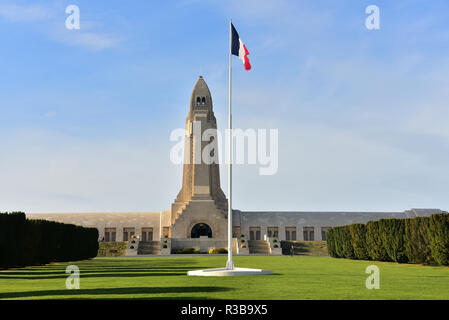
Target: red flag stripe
(243, 55)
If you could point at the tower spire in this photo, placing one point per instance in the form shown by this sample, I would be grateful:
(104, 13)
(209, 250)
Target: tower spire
(201, 179)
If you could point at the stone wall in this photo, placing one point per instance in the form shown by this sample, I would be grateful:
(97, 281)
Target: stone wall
(102, 220)
(207, 212)
(303, 220)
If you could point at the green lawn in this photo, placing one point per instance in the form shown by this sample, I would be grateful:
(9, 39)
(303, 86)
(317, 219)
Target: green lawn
(165, 278)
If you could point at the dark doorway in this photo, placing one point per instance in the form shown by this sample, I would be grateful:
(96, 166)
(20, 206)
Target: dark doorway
(200, 230)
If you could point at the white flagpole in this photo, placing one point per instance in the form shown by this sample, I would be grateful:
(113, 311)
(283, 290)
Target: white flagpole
(230, 270)
(229, 263)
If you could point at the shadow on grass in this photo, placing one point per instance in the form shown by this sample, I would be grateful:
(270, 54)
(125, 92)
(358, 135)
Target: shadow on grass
(102, 269)
(147, 263)
(113, 291)
(124, 271)
(101, 275)
(105, 268)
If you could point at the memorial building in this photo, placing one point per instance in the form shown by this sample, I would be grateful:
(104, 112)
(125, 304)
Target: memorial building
(198, 215)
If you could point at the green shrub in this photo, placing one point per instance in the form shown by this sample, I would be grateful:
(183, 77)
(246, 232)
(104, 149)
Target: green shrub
(342, 243)
(374, 246)
(417, 242)
(187, 251)
(39, 242)
(348, 250)
(331, 243)
(438, 231)
(338, 243)
(218, 251)
(358, 240)
(12, 228)
(112, 249)
(392, 232)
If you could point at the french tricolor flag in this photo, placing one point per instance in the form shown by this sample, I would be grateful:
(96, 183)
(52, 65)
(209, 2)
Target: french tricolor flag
(238, 49)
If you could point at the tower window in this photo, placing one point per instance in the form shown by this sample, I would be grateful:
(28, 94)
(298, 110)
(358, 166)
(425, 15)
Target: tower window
(198, 101)
(203, 101)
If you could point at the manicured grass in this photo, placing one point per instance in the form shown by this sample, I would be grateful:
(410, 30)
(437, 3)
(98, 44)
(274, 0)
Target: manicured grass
(165, 278)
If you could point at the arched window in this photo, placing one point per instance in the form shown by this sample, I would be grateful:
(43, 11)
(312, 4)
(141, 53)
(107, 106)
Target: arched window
(200, 230)
(198, 101)
(203, 101)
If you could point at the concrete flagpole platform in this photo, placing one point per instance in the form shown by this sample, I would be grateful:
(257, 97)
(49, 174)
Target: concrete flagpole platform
(223, 272)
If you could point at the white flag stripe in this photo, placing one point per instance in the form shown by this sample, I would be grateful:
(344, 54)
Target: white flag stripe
(241, 51)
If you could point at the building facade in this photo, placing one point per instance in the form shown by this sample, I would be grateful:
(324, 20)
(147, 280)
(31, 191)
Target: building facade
(200, 208)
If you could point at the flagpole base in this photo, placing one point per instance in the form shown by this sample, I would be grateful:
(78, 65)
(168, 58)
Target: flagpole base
(230, 265)
(224, 272)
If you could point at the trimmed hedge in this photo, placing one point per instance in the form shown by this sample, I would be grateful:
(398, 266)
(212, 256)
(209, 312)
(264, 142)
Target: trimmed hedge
(438, 232)
(35, 242)
(331, 243)
(112, 249)
(339, 241)
(304, 248)
(358, 240)
(347, 250)
(374, 245)
(218, 251)
(392, 233)
(187, 251)
(416, 240)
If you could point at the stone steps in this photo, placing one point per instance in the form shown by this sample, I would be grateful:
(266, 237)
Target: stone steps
(258, 246)
(150, 247)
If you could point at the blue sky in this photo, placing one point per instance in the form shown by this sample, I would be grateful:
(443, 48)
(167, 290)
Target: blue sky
(362, 114)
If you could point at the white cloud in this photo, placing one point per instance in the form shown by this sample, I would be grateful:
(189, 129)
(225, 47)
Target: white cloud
(51, 19)
(90, 40)
(31, 13)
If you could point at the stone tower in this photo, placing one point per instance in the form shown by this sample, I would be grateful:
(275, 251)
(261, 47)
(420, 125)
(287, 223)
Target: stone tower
(201, 206)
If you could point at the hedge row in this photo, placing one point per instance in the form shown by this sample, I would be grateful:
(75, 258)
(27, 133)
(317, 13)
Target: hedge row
(417, 240)
(34, 242)
(187, 251)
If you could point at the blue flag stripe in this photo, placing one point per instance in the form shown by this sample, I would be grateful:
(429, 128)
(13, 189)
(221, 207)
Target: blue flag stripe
(235, 45)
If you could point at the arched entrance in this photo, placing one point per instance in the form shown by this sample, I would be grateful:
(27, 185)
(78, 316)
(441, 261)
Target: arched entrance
(200, 230)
